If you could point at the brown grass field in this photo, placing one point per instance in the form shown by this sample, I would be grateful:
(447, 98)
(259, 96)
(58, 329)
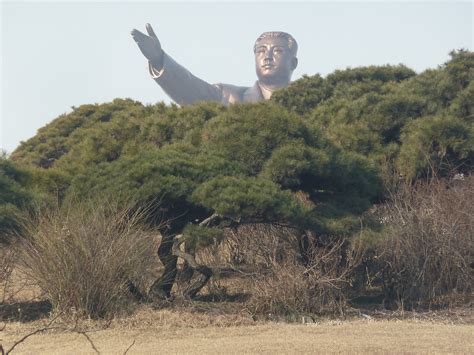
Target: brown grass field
(151, 331)
(225, 328)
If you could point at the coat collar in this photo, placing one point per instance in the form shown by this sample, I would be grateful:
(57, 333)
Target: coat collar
(253, 94)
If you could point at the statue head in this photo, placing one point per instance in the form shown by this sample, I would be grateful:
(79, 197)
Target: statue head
(275, 58)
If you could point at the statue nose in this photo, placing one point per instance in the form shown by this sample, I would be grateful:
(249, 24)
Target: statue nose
(268, 58)
(268, 55)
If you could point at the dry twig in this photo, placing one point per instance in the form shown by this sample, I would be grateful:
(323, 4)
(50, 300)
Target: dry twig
(132, 344)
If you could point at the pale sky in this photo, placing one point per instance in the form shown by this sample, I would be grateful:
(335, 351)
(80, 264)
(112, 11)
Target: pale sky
(55, 55)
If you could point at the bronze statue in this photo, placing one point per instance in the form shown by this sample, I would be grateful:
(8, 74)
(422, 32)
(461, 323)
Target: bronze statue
(275, 60)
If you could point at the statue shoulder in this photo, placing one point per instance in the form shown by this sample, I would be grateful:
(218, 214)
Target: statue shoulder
(233, 89)
(232, 93)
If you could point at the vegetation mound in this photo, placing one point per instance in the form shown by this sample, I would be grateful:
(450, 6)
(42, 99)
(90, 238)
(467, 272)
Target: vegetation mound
(315, 159)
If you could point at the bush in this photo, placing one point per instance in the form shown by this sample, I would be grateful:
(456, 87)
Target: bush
(429, 246)
(315, 157)
(7, 263)
(15, 195)
(286, 281)
(436, 146)
(291, 289)
(84, 257)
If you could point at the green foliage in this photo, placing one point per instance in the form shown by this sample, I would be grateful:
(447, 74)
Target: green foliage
(304, 94)
(246, 162)
(248, 198)
(314, 159)
(199, 237)
(24, 188)
(372, 110)
(248, 134)
(329, 139)
(463, 104)
(296, 164)
(14, 196)
(68, 131)
(307, 93)
(381, 74)
(442, 143)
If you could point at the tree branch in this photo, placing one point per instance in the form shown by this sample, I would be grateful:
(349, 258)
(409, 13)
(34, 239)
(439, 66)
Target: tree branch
(132, 344)
(206, 272)
(209, 219)
(47, 327)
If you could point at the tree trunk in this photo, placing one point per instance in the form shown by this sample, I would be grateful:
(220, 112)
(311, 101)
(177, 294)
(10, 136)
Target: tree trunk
(168, 252)
(306, 244)
(187, 272)
(161, 288)
(201, 274)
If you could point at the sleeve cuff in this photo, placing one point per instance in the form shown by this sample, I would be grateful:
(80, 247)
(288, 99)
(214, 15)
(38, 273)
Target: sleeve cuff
(155, 73)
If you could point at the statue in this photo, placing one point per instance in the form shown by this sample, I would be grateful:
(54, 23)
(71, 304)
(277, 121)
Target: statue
(275, 60)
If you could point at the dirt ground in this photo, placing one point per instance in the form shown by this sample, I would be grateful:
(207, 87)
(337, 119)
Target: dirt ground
(176, 332)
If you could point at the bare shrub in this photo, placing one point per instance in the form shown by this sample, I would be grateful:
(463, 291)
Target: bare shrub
(7, 264)
(292, 288)
(428, 251)
(258, 245)
(267, 260)
(84, 257)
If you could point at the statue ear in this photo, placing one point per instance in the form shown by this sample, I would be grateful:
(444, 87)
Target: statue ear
(294, 63)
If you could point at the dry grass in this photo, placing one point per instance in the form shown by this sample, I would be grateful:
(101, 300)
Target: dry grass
(268, 262)
(214, 328)
(355, 336)
(428, 253)
(83, 257)
(7, 264)
(291, 289)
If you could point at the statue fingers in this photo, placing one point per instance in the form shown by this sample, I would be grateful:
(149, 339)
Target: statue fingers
(136, 32)
(150, 31)
(137, 35)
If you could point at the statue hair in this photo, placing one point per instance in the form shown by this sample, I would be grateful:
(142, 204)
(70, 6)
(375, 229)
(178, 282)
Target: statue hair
(292, 45)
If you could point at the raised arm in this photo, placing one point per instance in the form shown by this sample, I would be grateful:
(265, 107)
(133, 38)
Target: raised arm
(150, 46)
(182, 86)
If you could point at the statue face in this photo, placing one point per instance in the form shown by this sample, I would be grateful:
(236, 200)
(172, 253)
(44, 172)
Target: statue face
(274, 62)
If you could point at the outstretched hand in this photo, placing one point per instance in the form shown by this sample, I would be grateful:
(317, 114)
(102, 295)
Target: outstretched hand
(149, 45)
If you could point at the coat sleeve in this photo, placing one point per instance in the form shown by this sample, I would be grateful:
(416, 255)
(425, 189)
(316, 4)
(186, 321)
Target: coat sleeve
(183, 87)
